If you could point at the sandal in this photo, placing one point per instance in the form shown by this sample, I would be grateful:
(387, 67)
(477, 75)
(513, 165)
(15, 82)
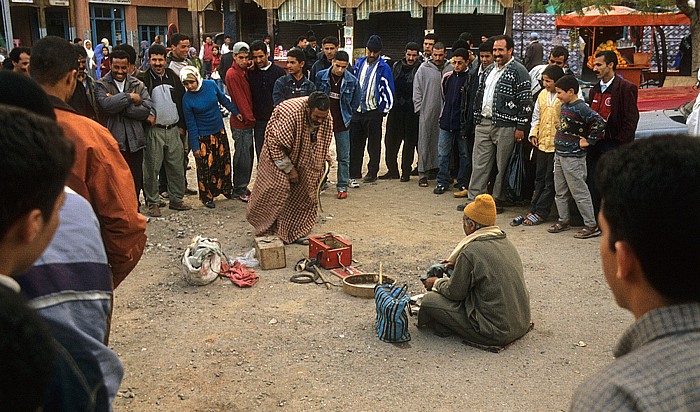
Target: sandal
(304, 241)
(423, 182)
(518, 221)
(587, 232)
(559, 227)
(533, 219)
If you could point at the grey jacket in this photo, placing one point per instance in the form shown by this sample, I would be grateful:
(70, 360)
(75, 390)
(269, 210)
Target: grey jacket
(120, 115)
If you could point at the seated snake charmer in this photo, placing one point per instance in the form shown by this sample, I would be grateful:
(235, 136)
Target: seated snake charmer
(485, 300)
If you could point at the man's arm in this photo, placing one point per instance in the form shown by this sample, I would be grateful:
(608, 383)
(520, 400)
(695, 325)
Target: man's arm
(111, 104)
(143, 110)
(417, 91)
(630, 114)
(523, 95)
(113, 198)
(456, 287)
(277, 91)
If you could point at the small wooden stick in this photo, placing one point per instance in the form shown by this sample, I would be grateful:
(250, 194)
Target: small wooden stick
(380, 273)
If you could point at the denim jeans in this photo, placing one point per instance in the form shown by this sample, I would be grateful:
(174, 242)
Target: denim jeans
(242, 160)
(220, 83)
(445, 143)
(342, 148)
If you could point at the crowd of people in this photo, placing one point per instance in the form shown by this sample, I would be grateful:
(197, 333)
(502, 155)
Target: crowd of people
(82, 140)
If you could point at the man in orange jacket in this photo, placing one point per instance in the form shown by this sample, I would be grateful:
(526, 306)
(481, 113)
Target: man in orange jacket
(99, 173)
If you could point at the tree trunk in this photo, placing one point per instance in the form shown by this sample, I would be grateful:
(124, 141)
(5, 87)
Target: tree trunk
(694, 17)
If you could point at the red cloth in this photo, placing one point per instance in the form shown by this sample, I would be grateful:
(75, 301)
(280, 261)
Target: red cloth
(239, 274)
(239, 90)
(207, 55)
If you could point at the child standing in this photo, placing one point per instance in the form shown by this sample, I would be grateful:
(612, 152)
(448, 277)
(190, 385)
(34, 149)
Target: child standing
(545, 120)
(579, 127)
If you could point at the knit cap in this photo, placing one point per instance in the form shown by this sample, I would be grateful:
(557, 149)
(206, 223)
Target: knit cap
(482, 210)
(374, 44)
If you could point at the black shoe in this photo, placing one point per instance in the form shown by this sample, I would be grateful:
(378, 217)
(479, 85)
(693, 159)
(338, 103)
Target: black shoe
(461, 207)
(388, 175)
(499, 210)
(423, 182)
(210, 204)
(439, 189)
(369, 179)
(190, 192)
(405, 178)
(414, 172)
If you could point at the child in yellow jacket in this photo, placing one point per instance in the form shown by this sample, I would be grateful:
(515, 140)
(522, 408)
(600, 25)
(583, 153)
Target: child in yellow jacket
(545, 119)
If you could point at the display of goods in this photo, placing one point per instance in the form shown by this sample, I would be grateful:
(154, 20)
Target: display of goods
(608, 45)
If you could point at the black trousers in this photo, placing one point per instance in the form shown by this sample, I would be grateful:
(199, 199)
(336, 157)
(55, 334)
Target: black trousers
(543, 196)
(365, 130)
(135, 162)
(401, 126)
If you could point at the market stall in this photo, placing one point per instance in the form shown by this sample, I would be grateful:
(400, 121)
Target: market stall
(634, 63)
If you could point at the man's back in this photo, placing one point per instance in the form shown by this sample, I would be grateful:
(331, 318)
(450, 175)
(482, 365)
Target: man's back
(101, 176)
(657, 366)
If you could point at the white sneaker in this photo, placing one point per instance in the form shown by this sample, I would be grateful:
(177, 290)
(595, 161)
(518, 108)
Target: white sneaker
(354, 183)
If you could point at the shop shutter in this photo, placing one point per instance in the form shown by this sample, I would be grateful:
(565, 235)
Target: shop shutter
(152, 16)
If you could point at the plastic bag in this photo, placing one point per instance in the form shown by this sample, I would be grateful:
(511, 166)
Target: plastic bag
(248, 259)
(201, 263)
(515, 174)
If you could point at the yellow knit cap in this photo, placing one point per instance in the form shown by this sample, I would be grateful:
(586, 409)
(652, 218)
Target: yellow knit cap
(482, 210)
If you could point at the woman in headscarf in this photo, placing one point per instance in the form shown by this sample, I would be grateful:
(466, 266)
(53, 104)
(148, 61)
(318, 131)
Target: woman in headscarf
(91, 64)
(195, 61)
(98, 60)
(208, 140)
(106, 64)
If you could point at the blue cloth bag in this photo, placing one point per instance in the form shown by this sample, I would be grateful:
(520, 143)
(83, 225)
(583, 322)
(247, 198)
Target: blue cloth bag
(392, 318)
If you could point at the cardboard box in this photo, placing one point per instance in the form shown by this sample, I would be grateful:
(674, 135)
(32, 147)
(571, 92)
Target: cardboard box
(270, 252)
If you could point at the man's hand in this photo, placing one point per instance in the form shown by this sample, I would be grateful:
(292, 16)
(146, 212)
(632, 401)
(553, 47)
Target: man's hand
(151, 120)
(135, 98)
(428, 283)
(583, 143)
(447, 263)
(519, 135)
(293, 176)
(534, 141)
(239, 117)
(197, 153)
(182, 131)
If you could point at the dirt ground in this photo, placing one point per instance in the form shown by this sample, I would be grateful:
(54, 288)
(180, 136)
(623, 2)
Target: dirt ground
(286, 346)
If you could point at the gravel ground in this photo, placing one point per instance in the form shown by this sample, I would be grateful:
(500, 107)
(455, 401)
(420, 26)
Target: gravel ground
(286, 346)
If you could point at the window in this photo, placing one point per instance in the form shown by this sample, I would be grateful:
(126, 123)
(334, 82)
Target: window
(149, 32)
(107, 22)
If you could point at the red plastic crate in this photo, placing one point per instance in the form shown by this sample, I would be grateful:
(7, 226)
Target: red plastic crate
(334, 251)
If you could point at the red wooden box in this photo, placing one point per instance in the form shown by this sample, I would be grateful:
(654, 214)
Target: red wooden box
(334, 251)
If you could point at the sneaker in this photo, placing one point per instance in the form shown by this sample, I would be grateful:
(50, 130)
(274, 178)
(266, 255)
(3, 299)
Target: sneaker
(439, 189)
(154, 211)
(369, 179)
(342, 195)
(179, 206)
(354, 183)
(388, 175)
(588, 232)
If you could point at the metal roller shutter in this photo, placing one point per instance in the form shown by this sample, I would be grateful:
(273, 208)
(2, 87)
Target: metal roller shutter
(395, 29)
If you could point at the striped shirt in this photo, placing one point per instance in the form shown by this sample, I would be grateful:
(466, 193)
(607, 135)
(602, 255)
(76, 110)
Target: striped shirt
(368, 82)
(657, 366)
